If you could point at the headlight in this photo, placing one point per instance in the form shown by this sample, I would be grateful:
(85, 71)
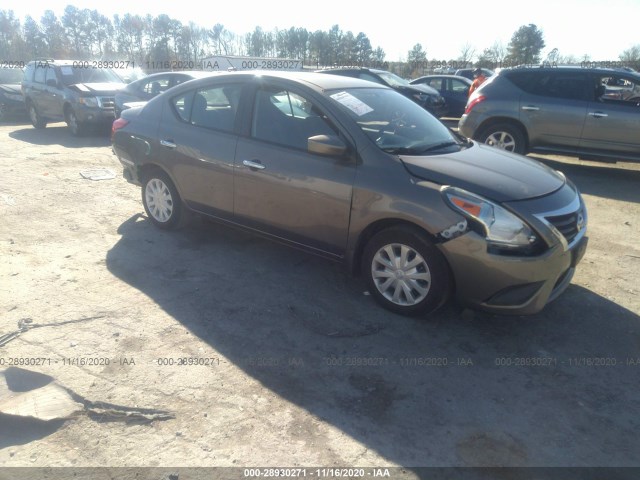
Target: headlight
(14, 96)
(501, 228)
(88, 101)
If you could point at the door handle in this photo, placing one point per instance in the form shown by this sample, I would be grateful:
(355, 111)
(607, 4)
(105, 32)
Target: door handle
(253, 165)
(530, 108)
(598, 114)
(168, 143)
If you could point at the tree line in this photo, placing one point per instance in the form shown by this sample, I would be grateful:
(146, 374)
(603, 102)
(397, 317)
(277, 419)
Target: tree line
(85, 34)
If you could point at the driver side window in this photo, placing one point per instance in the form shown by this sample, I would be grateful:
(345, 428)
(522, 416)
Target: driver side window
(287, 118)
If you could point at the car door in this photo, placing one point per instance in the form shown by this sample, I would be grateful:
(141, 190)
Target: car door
(53, 99)
(41, 93)
(612, 123)
(198, 145)
(283, 189)
(553, 107)
(457, 96)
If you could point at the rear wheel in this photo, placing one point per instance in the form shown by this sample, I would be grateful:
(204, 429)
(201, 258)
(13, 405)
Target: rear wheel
(405, 272)
(36, 120)
(161, 200)
(504, 136)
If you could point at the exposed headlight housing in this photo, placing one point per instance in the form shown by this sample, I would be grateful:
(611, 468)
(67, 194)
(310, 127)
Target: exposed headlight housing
(91, 102)
(504, 231)
(421, 97)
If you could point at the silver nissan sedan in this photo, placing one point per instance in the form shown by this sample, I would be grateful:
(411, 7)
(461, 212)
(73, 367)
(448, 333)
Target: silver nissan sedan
(358, 173)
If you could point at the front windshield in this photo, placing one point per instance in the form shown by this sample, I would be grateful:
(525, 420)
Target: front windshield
(395, 123)
(10, 76)
(393, 80)
(71, 75)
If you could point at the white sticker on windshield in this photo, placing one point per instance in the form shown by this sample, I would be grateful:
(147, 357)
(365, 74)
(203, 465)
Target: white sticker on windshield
(66, 71)
(352, 103)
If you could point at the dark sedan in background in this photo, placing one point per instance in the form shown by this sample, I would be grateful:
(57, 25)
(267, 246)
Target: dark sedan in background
(145, 88)
(454, 89)
(11, 99)
(355, 172)
(423, 95)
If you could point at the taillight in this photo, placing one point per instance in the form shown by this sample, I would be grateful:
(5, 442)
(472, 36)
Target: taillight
(473, 102)
(117, 124)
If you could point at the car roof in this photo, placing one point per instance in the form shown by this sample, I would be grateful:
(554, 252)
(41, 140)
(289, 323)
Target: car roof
(574, 68)
(457, 77)
(352, 69)
(315, 80)
(189, 73)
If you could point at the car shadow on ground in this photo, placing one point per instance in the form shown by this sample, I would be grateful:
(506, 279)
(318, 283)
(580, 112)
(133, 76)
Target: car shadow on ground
(600, 179)
(58, 134)
(16, 121)
(460, 388)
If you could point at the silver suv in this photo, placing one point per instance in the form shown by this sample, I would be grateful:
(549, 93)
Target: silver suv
(77, 92)
(588, 112)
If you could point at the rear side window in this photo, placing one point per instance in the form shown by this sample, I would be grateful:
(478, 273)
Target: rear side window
(437, 83)
(556, 84)
(156, 86)
(213, 107)
(41, 73)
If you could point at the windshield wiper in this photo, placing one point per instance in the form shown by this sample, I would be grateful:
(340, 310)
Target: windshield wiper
(439, 146)
(402, 150)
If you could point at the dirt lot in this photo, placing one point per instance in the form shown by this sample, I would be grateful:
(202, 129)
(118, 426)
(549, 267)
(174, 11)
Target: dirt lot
(295, 364)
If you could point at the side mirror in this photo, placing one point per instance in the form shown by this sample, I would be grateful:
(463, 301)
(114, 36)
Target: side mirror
(329, 145)
(52, 82)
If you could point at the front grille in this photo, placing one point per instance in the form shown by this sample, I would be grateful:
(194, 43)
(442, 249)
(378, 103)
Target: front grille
(107, 102)
(567, 225)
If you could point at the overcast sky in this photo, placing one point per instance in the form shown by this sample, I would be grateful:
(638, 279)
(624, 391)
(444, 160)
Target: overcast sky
(600, 29)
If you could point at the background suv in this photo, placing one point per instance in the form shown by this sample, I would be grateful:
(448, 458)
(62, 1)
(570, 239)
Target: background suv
(588, 112)
(425, 96)
(70, 91)
(468, 72)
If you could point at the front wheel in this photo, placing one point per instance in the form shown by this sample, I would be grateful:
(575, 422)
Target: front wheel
(77, 129)
(161, 200)
(405, 272)
(505, 137)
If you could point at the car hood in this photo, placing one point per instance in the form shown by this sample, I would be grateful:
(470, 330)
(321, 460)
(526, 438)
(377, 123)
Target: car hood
(104, 88)
(11, 88)
(419, 88)
(495, 174)
(134, 104)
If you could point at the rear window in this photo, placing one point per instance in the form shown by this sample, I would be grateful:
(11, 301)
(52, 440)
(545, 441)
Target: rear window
(10, 75)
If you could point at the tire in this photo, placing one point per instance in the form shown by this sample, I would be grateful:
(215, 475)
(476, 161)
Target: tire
(161, 201)
(405, 272)
(76, 128)
(36, 120)
(504, 136)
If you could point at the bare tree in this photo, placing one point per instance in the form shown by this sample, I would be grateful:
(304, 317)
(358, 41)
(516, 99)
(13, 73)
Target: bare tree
(467, 52)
